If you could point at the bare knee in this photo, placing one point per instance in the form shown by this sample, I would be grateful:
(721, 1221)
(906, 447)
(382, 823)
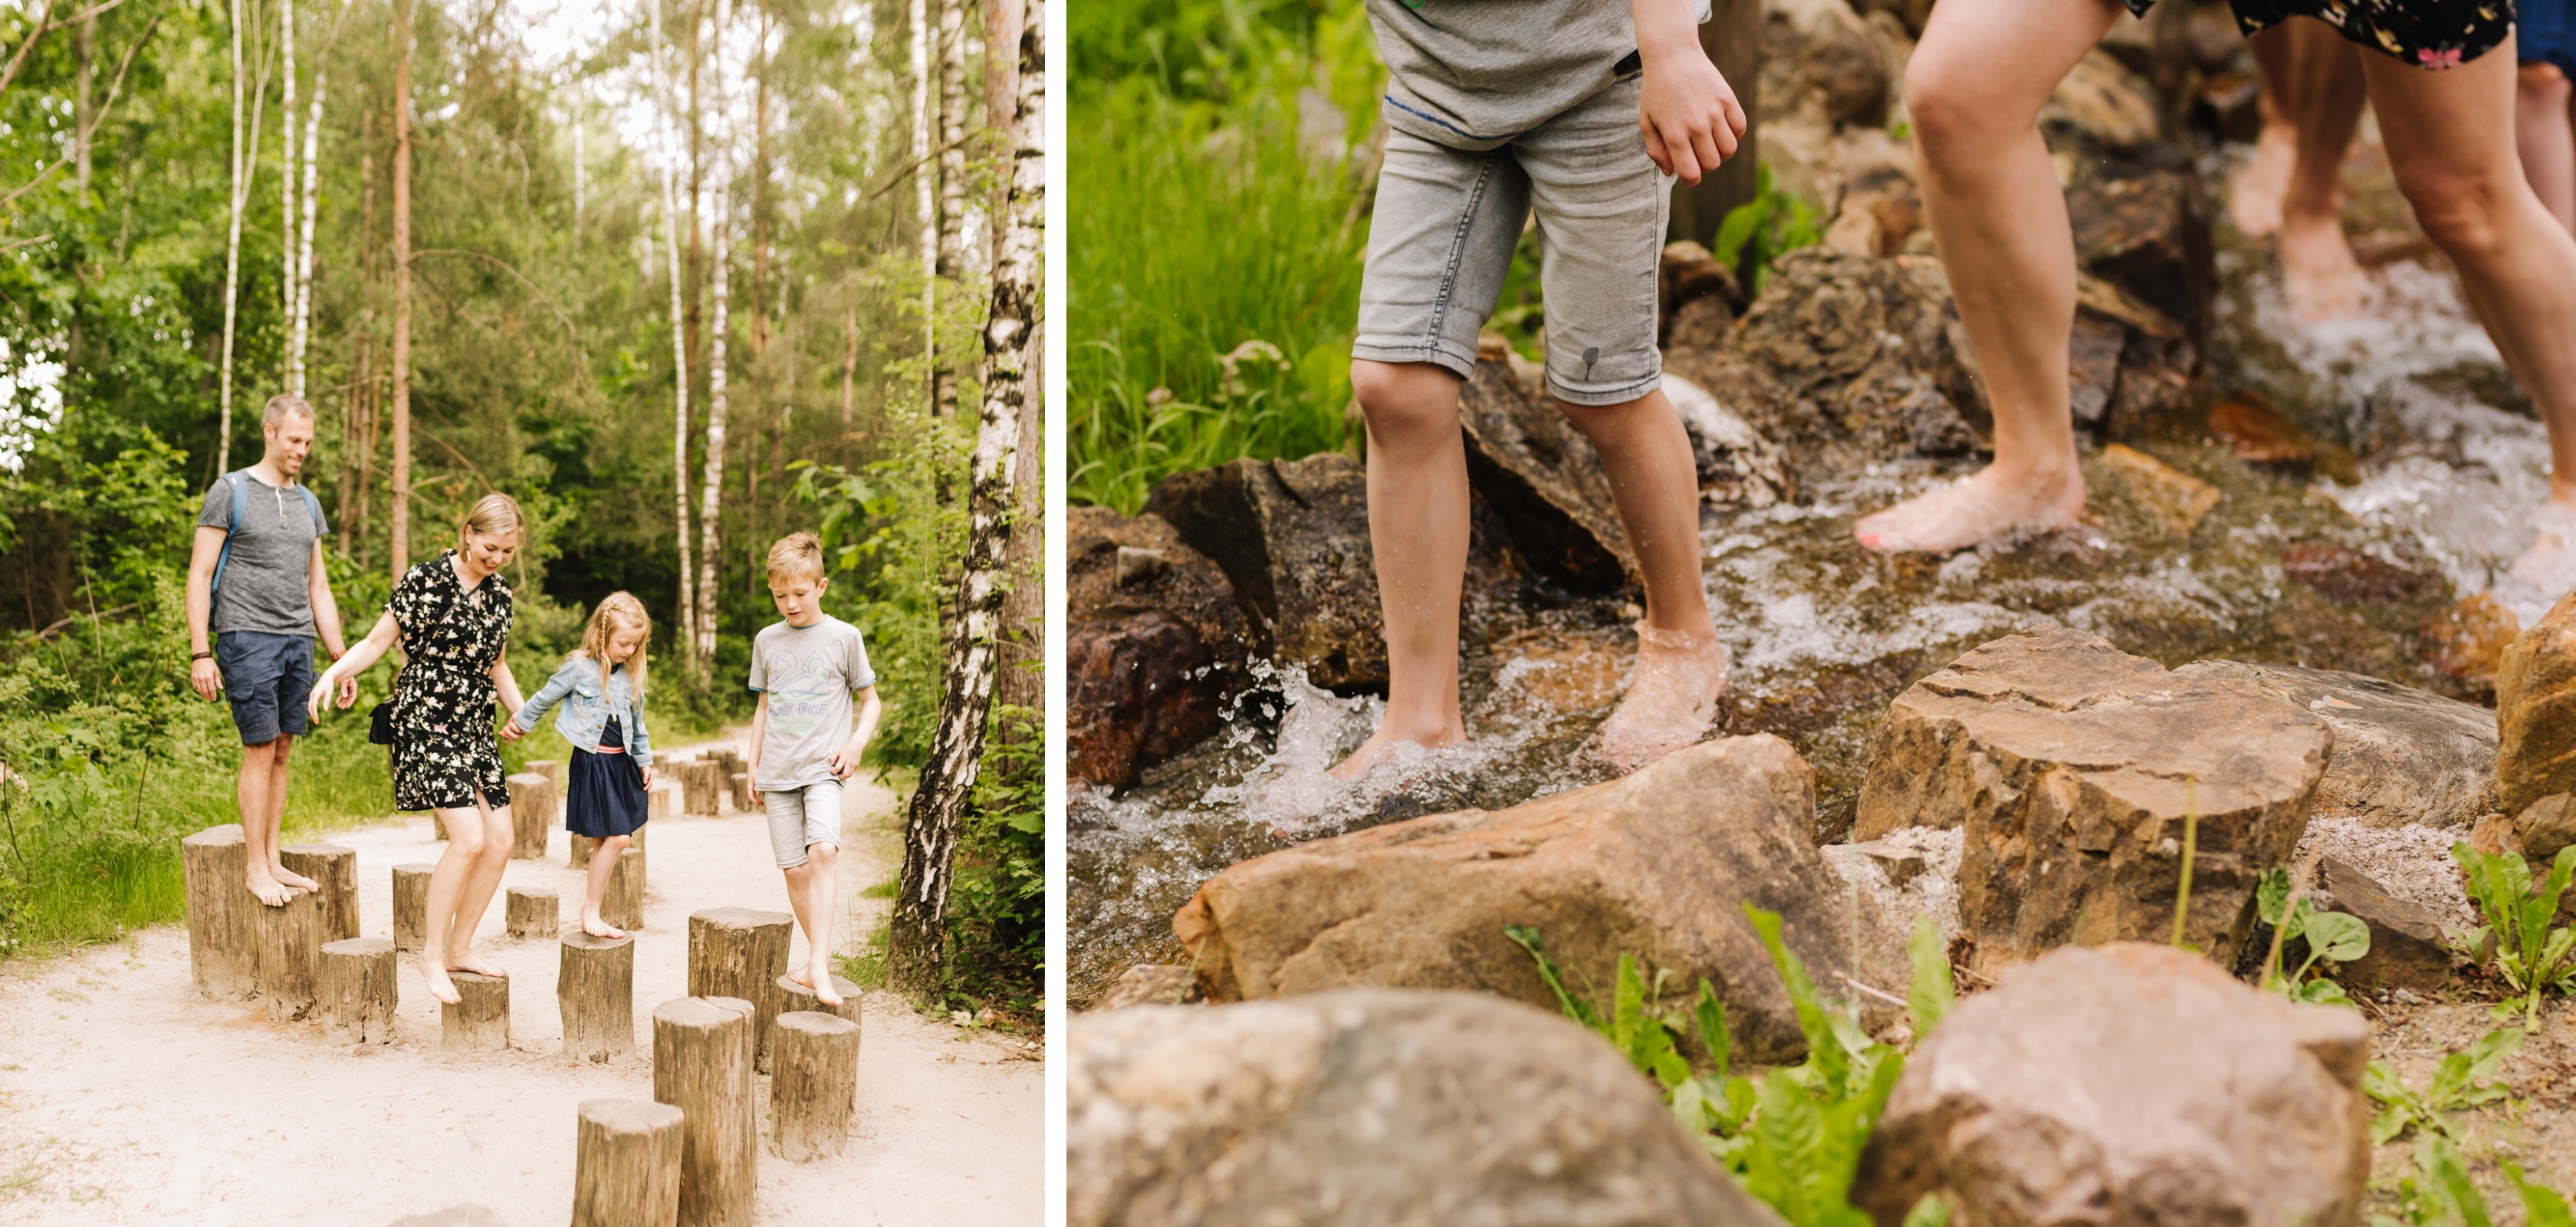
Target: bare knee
(467, 838)
(281, 749)
(1406, 402)
(819, 857)
(2464, 213)
(2541, 82)
(498, 836)
(1953, 103)
(612, 846)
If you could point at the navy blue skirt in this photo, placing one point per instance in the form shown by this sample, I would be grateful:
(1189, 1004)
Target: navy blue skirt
(605, 796)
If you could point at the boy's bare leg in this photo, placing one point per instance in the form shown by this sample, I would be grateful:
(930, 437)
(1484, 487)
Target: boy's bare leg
(465, 839)
(822, 901)
(1975, 86)
(260, 793)
(482, 878)
(603, 863)
(1681, 667)
(2546, 137)
(1417, 506)
(2327, 91)
(2254, 191)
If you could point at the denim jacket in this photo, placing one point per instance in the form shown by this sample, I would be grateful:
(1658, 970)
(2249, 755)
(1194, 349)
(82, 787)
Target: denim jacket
(587, 706)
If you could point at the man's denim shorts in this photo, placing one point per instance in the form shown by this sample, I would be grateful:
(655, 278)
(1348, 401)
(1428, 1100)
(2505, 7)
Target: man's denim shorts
(266, 678)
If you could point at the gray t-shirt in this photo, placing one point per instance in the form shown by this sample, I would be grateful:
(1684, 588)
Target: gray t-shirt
(268, 581)
(809, 673)
(1473, 74)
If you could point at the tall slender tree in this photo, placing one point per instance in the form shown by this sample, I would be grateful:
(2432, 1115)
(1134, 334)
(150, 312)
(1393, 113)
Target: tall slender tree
(398, 516)
(286, 198)
(922, 175)
(232, 259)
(301, 282)
(679, 332)
(951, 136)
(720, 208)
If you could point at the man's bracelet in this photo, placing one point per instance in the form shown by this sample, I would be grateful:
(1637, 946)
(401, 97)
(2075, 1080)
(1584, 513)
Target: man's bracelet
(194, 657)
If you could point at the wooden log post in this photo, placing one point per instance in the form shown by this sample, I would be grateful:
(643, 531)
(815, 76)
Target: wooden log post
(698, 783)
(583, 846)
(552, 769)
(816, 1087)
(534, 911)
(730, 757)
(622, 904)
(286, 942)
(411, 905)
(738, 952)
(480, 1020)
(336, 869)
(742, 792)
(355, 991)
(702, 1065)
(793, 996)
(626, 1165)
(595, 988)
(532, 810)
(662, 801)
(213, 861)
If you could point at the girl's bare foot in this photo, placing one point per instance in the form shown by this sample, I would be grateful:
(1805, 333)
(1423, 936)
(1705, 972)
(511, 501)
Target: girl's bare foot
(270, 891)
(2254, 192)
(800, 976)
(2550, 563)
(1382, 743)
(2318, 274)
(819, 978)
(439, 985)
(1986, 507)
(292, 879)
(1671, 699)
(470, 961)
(593, 925)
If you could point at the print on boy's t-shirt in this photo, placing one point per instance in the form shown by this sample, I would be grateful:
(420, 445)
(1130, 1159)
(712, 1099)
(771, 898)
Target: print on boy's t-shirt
(809, 674)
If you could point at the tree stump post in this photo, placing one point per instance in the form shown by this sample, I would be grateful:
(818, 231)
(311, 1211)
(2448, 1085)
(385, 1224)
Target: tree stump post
(622, 904)
(286, 943)
(534, 911)
(336, 869)
(816, 1087)
(355, 991)
(626, 1166)
(698, 784)
(532, 812)
(595, 988)
(213, 861)
(738, 952)
(793, 996)
(480, 1020)
(411, 905)
(662, 801)
(742, 792)
(583, 846)
(702, 1065)
(552, 769)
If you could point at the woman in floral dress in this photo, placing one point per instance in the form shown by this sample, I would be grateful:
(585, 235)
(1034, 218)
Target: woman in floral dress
(451, 615)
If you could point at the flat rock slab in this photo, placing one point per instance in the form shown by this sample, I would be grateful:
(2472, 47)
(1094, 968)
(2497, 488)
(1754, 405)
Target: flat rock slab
(1373, 1106)
(2407, 946)
(2401, 755)
(2072, 765)
(2536, 710)
(1656, 864)
(2129, 1084)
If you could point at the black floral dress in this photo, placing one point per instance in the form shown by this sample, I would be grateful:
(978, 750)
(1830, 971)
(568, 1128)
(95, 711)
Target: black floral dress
(2424, 33)
(444, 747)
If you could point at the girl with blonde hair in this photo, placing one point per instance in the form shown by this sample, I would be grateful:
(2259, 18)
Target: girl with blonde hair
(601, 687)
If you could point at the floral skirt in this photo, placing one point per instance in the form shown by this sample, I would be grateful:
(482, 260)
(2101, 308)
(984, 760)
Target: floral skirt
(2425, 33)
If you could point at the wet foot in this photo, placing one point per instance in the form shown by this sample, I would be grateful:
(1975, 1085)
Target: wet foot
(2254, 192)
(1671, 700)
(2318, 274)
(1986, 507)
(1380, 744)
(470, 961)
(2550, 563)
(270, 891)
(293, 879)
(439, 985)
(593, 925)
(820, 980)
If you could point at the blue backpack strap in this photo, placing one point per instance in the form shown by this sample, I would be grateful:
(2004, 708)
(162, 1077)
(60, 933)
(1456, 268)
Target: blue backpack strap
(313, 505)
(241, 497)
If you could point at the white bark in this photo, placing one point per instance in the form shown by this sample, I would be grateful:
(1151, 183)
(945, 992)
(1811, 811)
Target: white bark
(711, 486)
(952, 181)
(232, 262)
(303, 280)
(679, 330)
(286, 184)
(921, 176)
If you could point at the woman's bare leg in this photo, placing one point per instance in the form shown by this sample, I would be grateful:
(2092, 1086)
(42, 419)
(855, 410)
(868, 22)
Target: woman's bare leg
(1975, 86)
(482, 878)
(2254, 191)
(1417, 508)
(2546, 138)
(603, 863)
(465, 839)
(2325, 97)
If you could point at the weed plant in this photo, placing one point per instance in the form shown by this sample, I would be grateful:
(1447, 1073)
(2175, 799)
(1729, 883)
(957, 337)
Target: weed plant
(2530, 954)
(2330, 938)
(2460, 1082)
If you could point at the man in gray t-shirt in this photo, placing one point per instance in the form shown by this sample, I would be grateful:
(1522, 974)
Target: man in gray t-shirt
(258, 587)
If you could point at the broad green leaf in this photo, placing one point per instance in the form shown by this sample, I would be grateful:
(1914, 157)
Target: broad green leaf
(2337, 937)
(1930, 994)
(2322, 992)
(2542, 1206)
(2488, 1054)
(1824, 1049)
(1933, 1210)
(2272, 895)
(1710, 1015)
(2447, 1180)
(2379, 1081)
(1788, 1138)
(2390, 1123)
(1573, 1007)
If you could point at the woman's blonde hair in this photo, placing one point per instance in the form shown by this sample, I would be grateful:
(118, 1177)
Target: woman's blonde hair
(797, 554)
(620, 611)
(490, 516)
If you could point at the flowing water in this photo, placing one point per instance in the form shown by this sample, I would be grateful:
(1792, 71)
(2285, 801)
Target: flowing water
(2450, 462)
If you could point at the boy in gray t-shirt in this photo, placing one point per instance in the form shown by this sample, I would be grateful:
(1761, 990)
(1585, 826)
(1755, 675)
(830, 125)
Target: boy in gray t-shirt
(806, 739)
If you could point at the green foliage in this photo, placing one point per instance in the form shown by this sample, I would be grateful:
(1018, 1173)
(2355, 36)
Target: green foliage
(2440, 1193)
(2331, 937)
(997, 903)
(2529, 954)
(1772, 224)
(2460, 1082)
(1929, 995)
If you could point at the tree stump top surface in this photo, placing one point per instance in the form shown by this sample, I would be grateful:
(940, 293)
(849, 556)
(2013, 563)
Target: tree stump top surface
(631, 1115)
(530, 779)
(816, 1022)
(415, 867)
(696, 1013)
(741, 918)
(848, 991)
(477, 979)
(228, 833)
(318, 849)
(580, 939)
(365, 947)
(534, 892)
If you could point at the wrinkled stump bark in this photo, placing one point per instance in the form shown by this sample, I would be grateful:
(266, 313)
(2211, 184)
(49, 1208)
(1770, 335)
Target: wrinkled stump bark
(355, 991)
(702, 1065)
(583, 846)
(286, 943)
(622, 904)
(662, 801)
(480, 1020)
(336, 869)
(552, 769)
(213, 861)
(595, 988)
(731, 758)
(532, 815)
(411, 904)
(626, 1166)
(816, 1085)
(737, 952)
(698, 786)
(741, 792)
(534, 911)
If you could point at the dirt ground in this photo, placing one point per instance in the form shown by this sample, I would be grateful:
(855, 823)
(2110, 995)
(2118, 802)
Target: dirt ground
(126, 1097)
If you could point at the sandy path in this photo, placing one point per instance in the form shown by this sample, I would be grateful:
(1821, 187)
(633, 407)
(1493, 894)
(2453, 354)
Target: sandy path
(126, 1097)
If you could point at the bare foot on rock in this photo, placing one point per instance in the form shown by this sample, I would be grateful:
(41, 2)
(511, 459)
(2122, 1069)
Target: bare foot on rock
(291, 878)
(439, 985)
(2318, 273)
(470, 961)
(2254, 192)
(1671, 699)
(1987, 507)
(2550, 563)
(270, 891)
(819, 978)
(1382, 743)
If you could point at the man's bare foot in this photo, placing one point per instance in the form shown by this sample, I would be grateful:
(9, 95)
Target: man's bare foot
(1671, 699)
(596, 927)
(2254, 192)
(270, 891)
(2319, 275)
(292, 878)
(2550, 563)
(819, 979)
(439, 985)
(1986, 507)
(470, 961)
(1381, 743)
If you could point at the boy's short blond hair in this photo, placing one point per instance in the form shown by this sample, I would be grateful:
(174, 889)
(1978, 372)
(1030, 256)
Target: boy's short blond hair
(797, 554)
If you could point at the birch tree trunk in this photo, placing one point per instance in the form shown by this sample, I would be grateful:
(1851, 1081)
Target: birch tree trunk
(921, 180)
(917, 954)
(303, 278)
(952, 183)
(711, 486)
(286, 192)
(398, 512)
(679, 333)
(232, 263)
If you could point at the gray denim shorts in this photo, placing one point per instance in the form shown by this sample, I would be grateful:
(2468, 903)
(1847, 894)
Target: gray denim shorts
(802, 817)
(1441, 240)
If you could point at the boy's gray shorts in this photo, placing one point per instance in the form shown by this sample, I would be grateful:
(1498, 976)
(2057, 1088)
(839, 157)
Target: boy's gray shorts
(802, 817)
(1441, 240)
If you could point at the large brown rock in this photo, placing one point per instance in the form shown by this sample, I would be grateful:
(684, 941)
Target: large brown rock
(1737, 467)
(2536, 710)
(1542, 478)
(2401, 755)
(2071, 765)
(1155, 646)
(2129, 1084)
(1655, 865)
(1292, 538)
(2407, 946)
(1820, 61)
(1373, 1107)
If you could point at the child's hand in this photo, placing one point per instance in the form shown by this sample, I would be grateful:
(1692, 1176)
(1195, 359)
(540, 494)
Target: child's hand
(648, 779)
(510, 730)
(845, 762)
(1689, 113)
